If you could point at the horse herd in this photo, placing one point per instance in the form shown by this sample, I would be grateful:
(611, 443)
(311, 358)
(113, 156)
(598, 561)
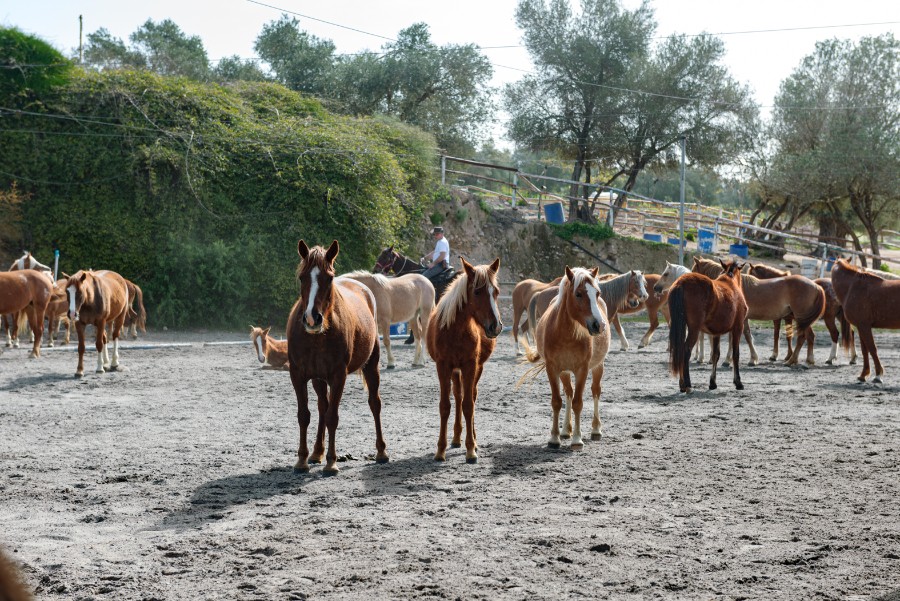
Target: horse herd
(333, 329)
(97, 298)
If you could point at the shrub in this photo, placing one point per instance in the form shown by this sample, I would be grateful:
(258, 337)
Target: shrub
(594, 231)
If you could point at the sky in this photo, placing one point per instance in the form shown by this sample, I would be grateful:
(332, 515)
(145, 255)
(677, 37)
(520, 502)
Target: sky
(761, 59)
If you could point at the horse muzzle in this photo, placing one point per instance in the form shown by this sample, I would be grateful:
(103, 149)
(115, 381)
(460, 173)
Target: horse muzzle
(658, 289)
(595, 326)
(634, 303)
(494, 329)
(72, 315)
(314, 323)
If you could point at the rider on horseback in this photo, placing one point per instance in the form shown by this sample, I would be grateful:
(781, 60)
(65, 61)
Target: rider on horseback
(439, 259)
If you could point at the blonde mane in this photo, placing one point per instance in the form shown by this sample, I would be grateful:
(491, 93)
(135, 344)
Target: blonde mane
(376, 278)
(581, 274)
(456, 296)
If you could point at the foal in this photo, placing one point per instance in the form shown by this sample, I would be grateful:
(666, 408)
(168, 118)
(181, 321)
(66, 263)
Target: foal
(269, 350)
(462, 333)
(331, 332)
(698, 304)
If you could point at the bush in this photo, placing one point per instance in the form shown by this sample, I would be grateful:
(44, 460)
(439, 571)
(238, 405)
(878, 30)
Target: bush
(594, 231)
(461, 215)
(437, 218)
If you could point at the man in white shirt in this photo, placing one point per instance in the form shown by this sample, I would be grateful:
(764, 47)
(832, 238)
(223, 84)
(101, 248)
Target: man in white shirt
(439, 259)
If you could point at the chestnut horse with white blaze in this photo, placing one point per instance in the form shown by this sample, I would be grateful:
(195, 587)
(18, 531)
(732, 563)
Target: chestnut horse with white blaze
(331, 332)
(270, 351)
(462, 333)
(97, 298)
(572, 337)
(521, 296)
(869, 301)
(27, 291)
(698, 305)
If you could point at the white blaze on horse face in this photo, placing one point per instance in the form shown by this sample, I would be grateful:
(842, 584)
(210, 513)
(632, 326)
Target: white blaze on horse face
(71, 292)
(313, 291)
(259, 349)
(494, 309)
(642, 285)
(595, 307)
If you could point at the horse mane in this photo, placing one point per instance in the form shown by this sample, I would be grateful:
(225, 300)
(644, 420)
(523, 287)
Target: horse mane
(615, 290)
(379, 279)
(860, 272)
(456, 295)
(315, 258)
(581, 274)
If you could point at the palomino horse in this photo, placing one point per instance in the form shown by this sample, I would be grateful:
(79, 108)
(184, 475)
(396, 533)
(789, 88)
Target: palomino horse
(626, 290)
(833, 310)
(572, 337)
(28, 291)
(26, 261)
(699, 304)
(521, 296)
(331, 332)
(406, 298)
(96, 298)
(775, 299)
(462, 333)
(56, 312)
(269, 351)
(869, 302)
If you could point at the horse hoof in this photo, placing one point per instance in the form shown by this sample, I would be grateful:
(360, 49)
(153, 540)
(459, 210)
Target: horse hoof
(565, 436)
(877, 380)
(472, 459)
(382, 459)
(596, 435)
(455, 445)
(330, 471)
(577, 446)
(853, 361)
(391, 366)
(829, 362)
(79, 374)
(739, 386)
(713, 386)
(861, 380)
(440, 457)
(301, 469)
(552, 445)
(112, 368)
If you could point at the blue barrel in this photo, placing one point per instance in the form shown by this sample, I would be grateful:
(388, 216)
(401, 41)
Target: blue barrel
(674, 241)
(554, 213)
(653, 237)
(398, 329)
(740, 250)
(706, 241)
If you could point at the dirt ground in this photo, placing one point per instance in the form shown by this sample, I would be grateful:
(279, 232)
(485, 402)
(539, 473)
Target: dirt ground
(171, 479)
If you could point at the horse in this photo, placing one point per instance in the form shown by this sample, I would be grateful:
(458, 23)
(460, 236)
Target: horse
(136, 318)
(270, 351)
(462, 332)
(26, 261)
(884, 275)
(521, 296)
(572, 337)
(56, 313)
(775, 299)
(626, 290)
(656, 301)
(868, 302)
(833, 310)
(331, 332)
(406, 298)
(12, 585)
(96, 298)
(27, 291)
(699, 304)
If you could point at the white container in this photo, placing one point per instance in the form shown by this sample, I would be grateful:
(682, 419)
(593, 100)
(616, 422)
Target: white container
(809, 268)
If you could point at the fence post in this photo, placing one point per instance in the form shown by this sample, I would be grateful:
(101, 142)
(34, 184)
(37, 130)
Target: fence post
(515, 185)
(824, 260)
(443, 170)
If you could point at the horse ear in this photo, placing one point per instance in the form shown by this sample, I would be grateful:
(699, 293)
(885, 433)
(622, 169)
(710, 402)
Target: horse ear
(569, 274)
(595, 271)
(83, 276)
(696, 259)
(467, 267)
(266, 331)
(64, 274)
(390, 248)
(495, 266)
(302, 250)
(332, 251)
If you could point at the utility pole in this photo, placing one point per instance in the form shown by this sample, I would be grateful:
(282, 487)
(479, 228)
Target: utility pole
(681, 208)
(80, 43)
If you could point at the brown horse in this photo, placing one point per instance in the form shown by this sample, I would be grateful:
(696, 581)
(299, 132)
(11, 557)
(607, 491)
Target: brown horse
(26, 261)
(331, 332)
(12, 585)
(97, 298)
(28, 291)
(775, 299)
(56, 313)
(833, 310)
(462, 333)
(699, 304)
(270, 351)
(406, 298)
(572, 337)
(136, 318)
(869, 302)
(521, 296)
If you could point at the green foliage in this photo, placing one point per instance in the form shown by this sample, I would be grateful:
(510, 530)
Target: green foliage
(301, 61)
(160, 47)
(199, 192)
(437, 218)
(597, 232)
(28, 65)
(461, 214)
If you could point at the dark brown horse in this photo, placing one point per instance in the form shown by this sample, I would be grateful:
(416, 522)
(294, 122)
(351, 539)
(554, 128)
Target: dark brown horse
(462, 333)
(26, 291)
(97, 298)
(331, 332)
(699, 304)
(869, 302)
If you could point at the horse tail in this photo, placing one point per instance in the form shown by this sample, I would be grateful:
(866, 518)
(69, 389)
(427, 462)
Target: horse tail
(846, 331)
(677, 330)
(817, 310)
(141, 312)
(531, 356)
(532, 314)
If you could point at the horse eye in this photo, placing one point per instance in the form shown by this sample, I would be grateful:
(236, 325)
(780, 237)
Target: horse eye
(478, 291)
(578, 294)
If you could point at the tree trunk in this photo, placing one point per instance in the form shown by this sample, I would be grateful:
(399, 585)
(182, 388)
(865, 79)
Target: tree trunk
(573, 188)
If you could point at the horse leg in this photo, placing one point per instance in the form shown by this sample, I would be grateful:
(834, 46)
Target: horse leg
(864, 351)
(517, 315)
(566, 381)
(777, 335)
(418, 334)
(853, 348)
(698, 356)
(14, 326)
(100, 345)
(654, 323)
(478, 371)
(867, 342)
(468, 407)
(386, 338)
(728, 355)
(577, 405)
(623, 340)
(596, 376)
(748, 336)
(300, 390)
(714, 350)
(373, 382)
(685, 381)
(835, 336)
(456, 381)
(444, 374)
(810, 336)
(736, 352)
(336, 386)
(555, 406)
(79, 329)
(789, 335)
(321, 389)
(37, 329)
